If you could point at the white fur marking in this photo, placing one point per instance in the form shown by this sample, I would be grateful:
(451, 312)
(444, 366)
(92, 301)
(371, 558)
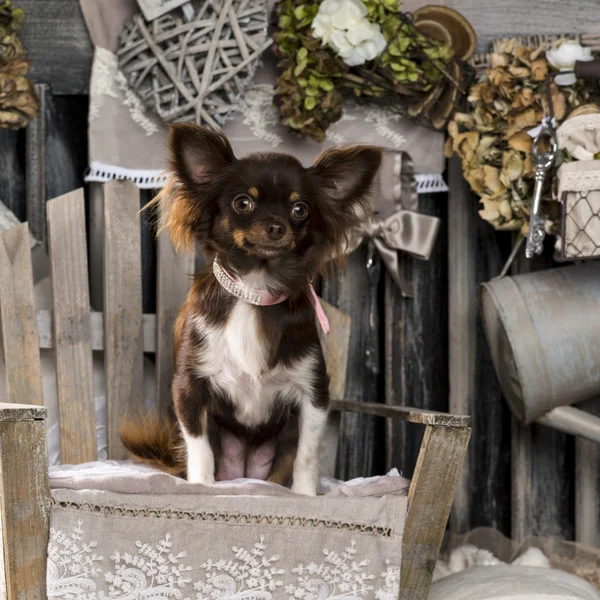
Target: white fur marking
(200, 459)
(313, 421)
(234, 360)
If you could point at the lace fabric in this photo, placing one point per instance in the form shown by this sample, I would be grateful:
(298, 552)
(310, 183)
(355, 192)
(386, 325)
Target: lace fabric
(579, 192)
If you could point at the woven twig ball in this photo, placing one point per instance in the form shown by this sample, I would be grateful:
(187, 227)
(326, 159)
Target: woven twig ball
(195, 70)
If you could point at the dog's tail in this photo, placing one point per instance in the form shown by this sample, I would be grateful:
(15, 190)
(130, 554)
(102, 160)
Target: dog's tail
(155, 442)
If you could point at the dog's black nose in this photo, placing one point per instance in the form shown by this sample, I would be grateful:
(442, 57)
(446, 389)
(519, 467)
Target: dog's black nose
(274, 230)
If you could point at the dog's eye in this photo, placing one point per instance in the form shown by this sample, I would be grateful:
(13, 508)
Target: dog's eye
(243, 204)
(299, 211)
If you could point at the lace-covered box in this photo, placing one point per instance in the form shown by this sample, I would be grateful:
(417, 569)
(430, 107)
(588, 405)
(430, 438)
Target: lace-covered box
(579, 189)
(144, 534)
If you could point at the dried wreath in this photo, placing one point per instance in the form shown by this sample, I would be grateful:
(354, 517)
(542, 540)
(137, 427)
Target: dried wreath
(365, 48)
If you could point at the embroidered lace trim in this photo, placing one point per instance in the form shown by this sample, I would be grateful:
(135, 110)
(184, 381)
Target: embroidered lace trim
(430, 183)
(145, 178)
(230, 518)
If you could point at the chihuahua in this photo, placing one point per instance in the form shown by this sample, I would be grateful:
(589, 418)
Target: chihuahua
(250, 390)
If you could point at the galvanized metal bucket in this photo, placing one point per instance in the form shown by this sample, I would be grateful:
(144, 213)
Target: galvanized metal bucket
(543, 330)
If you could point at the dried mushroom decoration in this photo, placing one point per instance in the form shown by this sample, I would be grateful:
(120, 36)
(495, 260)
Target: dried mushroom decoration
(18, 102)
(492, 139)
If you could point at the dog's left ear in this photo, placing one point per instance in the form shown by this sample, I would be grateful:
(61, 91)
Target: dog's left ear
(345, 175)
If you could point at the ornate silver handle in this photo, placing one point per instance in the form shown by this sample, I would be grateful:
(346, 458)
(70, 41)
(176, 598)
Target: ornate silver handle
(543, 163)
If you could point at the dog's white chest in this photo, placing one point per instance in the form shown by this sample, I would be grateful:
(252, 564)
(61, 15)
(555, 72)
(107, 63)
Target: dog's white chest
(246, 349)
(235, 361)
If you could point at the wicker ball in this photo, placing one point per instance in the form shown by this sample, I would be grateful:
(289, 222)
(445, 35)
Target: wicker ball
(195, 70)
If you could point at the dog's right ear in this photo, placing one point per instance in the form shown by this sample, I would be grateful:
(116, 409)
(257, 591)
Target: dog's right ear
(187, 201)
(198, 155)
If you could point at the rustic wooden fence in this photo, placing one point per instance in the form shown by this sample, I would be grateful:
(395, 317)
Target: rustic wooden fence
(427, 352)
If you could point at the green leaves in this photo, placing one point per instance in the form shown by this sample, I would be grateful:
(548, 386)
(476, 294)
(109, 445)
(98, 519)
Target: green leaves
(310, 103)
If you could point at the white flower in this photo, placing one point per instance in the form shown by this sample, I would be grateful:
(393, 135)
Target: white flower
(563, 56)
(343, 26)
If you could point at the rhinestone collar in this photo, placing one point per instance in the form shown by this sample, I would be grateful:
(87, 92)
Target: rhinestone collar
(261, 297)
(235, 287)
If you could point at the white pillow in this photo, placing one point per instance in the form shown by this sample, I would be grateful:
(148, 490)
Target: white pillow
(507, 582)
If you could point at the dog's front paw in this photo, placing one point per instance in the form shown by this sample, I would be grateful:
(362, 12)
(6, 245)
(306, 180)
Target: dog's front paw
(305, 484)
(203, 477)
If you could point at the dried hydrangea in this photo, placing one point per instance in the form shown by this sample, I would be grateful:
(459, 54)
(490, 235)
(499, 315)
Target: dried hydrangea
(492, 140)
(18, 102)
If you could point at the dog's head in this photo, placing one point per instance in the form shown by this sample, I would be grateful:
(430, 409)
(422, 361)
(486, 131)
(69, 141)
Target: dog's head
(264, 210)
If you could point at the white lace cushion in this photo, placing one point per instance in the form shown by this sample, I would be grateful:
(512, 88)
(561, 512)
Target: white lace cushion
(204, 547)
(506, 582)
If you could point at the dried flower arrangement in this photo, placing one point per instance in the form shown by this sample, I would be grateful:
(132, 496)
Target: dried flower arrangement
(18, 102)
(367, 49)
(492, 139)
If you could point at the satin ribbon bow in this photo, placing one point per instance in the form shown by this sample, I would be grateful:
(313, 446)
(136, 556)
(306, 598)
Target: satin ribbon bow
(405, 229)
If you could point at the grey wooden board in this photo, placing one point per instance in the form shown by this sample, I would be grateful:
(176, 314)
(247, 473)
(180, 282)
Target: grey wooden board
(59, 45)
(35, 169)
(492, 19)
(462, 306)
(359, 450)
(408, 414)
(122, 309)
(587, 486)
(489, 449)
(96, 241)
(174, 277)
(416, 332)
(12, 174)
(543, 496)
(22, 412)
(72, 328)
(61, 52)
(66, 139)
(24, 507)
(17, 313)
(46, 333)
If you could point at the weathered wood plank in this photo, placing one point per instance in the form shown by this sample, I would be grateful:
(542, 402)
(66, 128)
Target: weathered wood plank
(490, 447)
(522, 485)
(72, 329)
(59, 45)
(22, 412)
(404, 413)
(174, 278)
(96, 233)
(149, 255)
(587, 486)
(123, 332)
(18, 317)
(514, 17)
(24, 496)
(416, 370)
(543, 494)
(12, 177)
(335, 345)
(429, 500)
(355, 292)
(462, 339)
(35, 169)
(46, 332)
(66, 143)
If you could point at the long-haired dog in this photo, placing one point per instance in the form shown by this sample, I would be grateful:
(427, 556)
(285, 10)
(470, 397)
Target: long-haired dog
(250, 390)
